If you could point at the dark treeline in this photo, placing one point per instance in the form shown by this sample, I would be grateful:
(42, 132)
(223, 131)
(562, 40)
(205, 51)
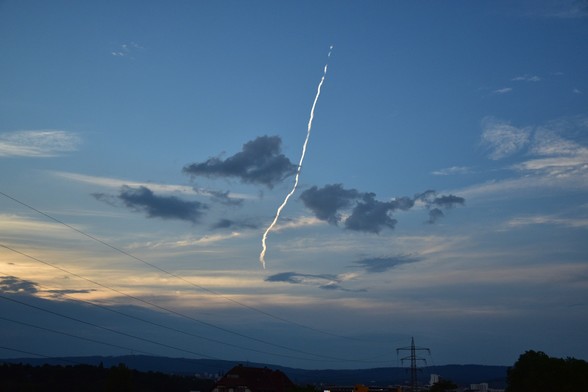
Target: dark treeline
(536, 371)
(87, 378)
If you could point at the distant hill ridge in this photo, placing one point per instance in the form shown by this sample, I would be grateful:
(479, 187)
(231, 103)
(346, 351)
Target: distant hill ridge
(495, 376)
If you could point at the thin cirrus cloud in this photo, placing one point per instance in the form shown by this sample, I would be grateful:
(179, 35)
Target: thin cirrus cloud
(551, 156)
(223, 197)
(453, 170)
(364, 212)
(126, 50)
(523, 221)
(503, 139)
(504, 90)
(259, 162)
(526, 78)
(38, 143)
(547, 149)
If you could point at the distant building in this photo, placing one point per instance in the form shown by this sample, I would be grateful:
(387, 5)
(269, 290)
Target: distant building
(483, 387)
(249, 379)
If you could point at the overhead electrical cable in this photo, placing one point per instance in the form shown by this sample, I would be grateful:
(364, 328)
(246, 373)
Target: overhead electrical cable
(75, 336)
(171, 311)
(106, 328)
(40, 355)
(122, 251)
(167, 327)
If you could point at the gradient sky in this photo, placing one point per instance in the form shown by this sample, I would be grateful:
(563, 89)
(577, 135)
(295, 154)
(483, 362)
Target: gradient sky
(146, 145)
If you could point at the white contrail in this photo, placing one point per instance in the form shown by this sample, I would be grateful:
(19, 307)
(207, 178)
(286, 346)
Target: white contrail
(281, 207)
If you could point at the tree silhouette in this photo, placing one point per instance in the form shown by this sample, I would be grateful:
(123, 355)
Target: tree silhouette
(535, 371)
(120, 379)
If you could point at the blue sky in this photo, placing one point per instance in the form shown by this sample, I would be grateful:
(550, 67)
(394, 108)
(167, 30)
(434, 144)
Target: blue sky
(146, 146)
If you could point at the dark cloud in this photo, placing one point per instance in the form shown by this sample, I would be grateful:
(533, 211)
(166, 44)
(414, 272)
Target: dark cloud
(108, 199)
(435, 203)
(427, 196)
(366, 213)
(383, 264)
(297, 278)
(371, 215)
(224, 198)
(402, 203)
(231, 224)
(165, 207)
(327, 201)
(60, 293)
(448, 201)
(14, 285)
(260, 162)
(322, 281)
(434, 215)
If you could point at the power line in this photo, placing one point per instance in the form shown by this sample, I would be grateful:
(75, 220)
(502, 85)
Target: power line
(149, 303)
(252, 308)
(74, 336)
(106, 328)
(39, 355)
(109, 309)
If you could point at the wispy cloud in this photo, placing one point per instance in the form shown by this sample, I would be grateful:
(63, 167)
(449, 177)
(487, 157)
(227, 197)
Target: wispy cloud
(15, 226)
(553, 156)
(453, 170)
(523, 221)
(503, 90)
(185, 242)
(526, 78)
(502, 138)
(126, 50)
(109, 182)
(563, 9)
(38, 143)
(297, 223)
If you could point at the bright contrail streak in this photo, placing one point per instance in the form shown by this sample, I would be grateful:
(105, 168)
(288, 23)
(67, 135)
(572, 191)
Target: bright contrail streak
(281, 207)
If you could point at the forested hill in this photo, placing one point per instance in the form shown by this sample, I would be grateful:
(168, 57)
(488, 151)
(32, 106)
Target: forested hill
(461, 374)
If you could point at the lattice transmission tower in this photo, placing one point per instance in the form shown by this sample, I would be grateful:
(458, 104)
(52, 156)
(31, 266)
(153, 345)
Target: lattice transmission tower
(413, 358)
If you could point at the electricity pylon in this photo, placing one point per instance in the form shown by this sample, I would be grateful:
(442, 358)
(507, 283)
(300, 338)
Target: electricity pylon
(413, 362)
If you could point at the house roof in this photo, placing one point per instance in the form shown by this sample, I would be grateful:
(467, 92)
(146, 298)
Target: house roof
(256, 379)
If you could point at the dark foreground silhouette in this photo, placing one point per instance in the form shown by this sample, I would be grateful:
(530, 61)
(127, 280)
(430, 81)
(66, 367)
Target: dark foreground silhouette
(86, 378)
(536, 371)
